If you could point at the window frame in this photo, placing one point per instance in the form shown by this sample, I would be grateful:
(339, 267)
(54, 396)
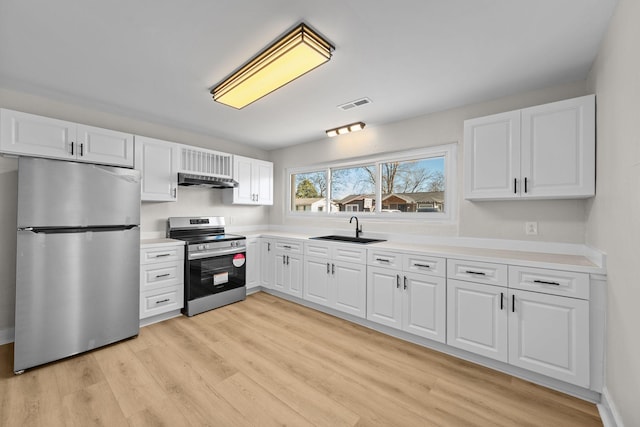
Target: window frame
(447, 151)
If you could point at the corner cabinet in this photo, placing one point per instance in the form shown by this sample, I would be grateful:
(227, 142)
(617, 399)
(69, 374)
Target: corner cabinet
(542, 152)
(24, 134)
(157, 162)
(255, 182)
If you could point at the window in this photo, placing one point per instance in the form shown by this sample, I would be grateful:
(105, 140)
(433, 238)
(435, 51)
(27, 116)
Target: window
(413, 185)
(410, 184)
(309, 191)
(353, 189)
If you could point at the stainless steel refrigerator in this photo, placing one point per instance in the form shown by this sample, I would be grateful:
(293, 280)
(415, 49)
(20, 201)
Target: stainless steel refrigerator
(78, 259)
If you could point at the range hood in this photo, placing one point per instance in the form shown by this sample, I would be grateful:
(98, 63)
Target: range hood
(189, 179)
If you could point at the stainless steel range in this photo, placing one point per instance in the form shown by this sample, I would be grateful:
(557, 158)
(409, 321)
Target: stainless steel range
(215, 263)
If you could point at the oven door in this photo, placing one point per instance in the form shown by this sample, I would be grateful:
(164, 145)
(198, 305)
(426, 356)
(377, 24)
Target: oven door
(214, 272)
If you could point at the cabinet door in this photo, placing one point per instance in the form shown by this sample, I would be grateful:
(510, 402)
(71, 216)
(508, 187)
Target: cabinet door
(424, 306)
(263, 184)
(350, 287)
(492, 156)
(384, 296)
(558, 149)
(317, 275)
(280, 270)
(477, 318)
(31, 135)
(104, 146)
(253, 263)
(244, 193)
(549, 334)
(295, 278)
(157, 161)
(267, 259)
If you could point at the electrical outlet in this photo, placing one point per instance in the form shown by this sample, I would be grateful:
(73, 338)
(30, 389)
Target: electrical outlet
(531, 228)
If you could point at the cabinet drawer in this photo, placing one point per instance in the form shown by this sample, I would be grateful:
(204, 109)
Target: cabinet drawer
(161, 301)
(290, 246)
(477, 271)
(425, 264)
(384, 258)
(321, 250)
(555, 282)
(349, 253)
(161, 254)
(161, 275)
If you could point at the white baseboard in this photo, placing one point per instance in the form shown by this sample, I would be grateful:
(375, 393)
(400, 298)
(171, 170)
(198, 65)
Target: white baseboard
(7, 336)
(608, 411)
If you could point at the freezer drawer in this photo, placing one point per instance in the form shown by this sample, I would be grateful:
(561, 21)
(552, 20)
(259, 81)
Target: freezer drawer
(74, 292)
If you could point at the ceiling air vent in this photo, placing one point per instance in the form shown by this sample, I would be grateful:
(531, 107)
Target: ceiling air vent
(354, 104)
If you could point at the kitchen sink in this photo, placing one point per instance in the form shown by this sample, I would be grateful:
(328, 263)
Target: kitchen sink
(338, 238)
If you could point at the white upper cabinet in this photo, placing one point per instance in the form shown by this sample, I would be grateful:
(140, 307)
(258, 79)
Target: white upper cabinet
(255, 182)
(542, 152)
(157, 162)
(26, 134)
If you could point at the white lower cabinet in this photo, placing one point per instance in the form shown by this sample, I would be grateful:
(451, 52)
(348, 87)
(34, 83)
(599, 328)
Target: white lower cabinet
(288, 267)
(335, 276)
(161, 278)
(477, 318)
(406, 300)
(545, 332)
(550, 335)
(267, 262)
(253, 263)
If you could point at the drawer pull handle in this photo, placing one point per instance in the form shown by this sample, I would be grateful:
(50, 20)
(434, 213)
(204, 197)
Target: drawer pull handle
(545, 282)
(287, 247)
(513, 303)
(328, 268)
(501, 301)
(424, 265)
(405, 283)
(479, 273)
(161, 255)
(163, 275)
(397, 281)
(382, 260)
(163, 300)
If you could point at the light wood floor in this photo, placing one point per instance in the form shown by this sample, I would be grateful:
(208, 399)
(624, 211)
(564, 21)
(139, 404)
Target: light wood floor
(266, 361)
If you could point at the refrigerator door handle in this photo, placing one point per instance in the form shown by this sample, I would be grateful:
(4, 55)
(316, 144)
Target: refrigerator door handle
(67, 230)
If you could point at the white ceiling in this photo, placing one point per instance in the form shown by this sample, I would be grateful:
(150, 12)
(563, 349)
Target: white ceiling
(157, 60)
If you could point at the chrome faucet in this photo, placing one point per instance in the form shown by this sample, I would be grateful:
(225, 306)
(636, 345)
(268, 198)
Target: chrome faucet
(358, 227)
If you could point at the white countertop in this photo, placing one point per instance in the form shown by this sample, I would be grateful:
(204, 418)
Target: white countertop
(572, 262)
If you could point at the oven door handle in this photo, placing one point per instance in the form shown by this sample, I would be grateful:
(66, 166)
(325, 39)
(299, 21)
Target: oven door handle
(216, 253)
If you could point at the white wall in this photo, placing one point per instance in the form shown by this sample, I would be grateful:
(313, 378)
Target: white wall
(613, 217)
(558, 220)
(191, 201)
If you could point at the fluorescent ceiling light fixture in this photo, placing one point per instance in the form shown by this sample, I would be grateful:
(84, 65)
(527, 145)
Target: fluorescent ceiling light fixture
(353, 127)
(296, 53)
